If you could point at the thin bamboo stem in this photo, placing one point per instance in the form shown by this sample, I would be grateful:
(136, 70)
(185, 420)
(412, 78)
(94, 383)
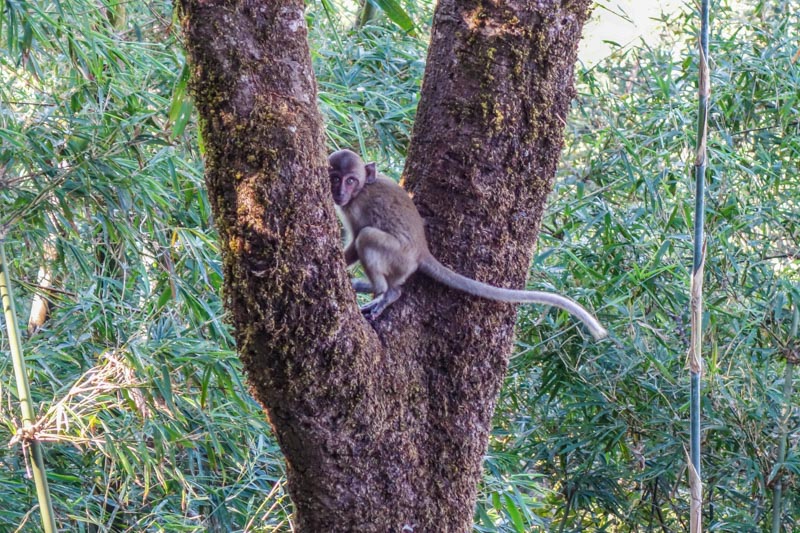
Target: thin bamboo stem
(696, 290)
(791, 360)
(366, 14)
(24, 393)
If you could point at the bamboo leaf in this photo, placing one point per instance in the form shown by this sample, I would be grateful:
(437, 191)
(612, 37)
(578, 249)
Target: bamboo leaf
(396, 14)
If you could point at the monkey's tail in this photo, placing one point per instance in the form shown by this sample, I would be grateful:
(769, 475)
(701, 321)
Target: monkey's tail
(430, 266)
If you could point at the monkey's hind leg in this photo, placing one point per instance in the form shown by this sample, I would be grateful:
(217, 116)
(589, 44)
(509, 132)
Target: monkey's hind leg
(382, 257)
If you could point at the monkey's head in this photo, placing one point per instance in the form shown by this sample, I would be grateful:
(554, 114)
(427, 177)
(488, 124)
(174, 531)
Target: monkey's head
(348, 175)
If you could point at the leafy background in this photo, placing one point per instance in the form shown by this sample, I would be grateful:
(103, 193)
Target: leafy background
(144, 411)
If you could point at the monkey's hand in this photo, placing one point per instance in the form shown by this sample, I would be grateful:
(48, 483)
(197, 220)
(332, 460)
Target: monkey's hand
(351, 254)
(362, 286)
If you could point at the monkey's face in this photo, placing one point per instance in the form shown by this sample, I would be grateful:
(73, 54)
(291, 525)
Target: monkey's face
(348, 175)
(344, 185)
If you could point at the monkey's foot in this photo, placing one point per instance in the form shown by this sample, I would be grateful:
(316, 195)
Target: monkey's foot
(373, 309)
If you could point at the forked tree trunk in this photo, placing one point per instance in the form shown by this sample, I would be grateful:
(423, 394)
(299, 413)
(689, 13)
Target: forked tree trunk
(383, 425)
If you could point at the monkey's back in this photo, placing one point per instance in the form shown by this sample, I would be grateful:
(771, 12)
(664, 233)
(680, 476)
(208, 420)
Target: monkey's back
(386, 206)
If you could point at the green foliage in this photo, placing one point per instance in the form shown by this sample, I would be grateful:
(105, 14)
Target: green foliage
(396, 13)
(607, 425)
(149, 423)
(362, 110)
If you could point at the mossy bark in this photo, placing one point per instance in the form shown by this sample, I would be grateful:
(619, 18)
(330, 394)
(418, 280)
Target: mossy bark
(383, 425)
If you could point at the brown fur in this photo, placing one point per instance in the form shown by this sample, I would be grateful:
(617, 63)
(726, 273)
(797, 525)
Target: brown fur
(388, 237)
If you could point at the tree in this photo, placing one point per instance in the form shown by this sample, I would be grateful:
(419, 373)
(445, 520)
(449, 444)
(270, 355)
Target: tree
(383, 425)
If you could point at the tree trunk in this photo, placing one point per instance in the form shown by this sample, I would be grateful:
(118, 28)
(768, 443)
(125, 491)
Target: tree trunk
(383, 425)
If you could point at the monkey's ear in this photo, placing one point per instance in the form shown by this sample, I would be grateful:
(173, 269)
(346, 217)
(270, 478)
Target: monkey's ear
(371, 173)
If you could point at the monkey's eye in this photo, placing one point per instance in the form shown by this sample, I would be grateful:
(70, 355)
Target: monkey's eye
(350, 181)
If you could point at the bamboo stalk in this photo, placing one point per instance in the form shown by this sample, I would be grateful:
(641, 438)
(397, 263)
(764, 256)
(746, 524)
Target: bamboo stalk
(696, 290)
(366, 14)
(791, 360)
(24, 393)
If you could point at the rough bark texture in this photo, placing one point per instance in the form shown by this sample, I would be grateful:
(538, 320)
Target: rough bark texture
(383, 425)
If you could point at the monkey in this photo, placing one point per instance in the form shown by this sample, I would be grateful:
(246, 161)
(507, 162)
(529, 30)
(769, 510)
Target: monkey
(387, 236)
